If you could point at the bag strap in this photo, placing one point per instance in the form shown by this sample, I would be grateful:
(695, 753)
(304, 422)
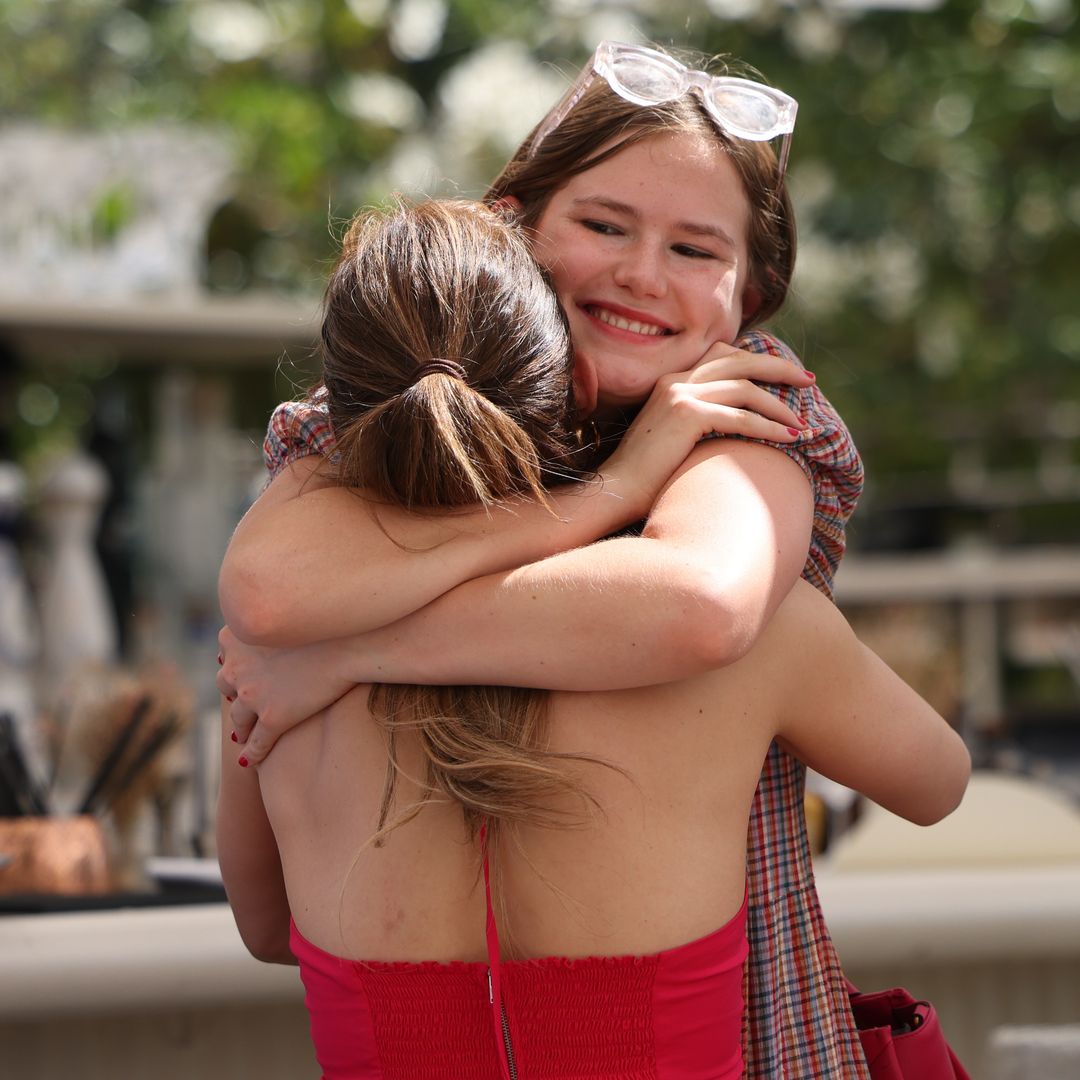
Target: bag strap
(494, 967)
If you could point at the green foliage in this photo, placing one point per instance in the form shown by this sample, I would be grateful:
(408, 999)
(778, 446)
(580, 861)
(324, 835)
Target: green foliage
(113, 210)
(935, 165)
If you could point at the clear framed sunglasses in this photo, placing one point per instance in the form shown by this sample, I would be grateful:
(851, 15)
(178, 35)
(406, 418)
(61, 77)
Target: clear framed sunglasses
(742, 108)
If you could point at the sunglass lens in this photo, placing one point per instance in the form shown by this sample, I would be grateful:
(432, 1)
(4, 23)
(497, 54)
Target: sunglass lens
(747, 113)
(646, 82)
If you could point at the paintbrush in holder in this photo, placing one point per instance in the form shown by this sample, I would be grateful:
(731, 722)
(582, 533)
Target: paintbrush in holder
(116, 774)
(126, 741)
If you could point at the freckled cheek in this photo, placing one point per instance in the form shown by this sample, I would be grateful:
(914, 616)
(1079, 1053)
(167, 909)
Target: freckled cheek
(725, 310)
(573, 271)
(563, 272)
(571, 262)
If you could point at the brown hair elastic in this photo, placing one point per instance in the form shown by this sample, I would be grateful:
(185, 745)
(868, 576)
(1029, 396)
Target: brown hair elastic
(442, 366)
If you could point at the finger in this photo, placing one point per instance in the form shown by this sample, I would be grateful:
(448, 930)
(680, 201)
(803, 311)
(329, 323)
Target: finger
(767, 369)
(737, 364)
(259, 743)
(225, 685)
(723, 420)
(243, 719)
(745, 395)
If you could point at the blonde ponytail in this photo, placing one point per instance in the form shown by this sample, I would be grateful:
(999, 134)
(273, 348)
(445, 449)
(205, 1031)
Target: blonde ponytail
(448, 373)
(439, 444)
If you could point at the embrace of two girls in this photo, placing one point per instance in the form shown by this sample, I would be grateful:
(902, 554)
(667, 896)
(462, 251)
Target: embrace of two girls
(536, 615)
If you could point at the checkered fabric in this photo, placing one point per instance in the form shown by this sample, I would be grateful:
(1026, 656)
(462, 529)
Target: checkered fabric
(798, 1025)
(297, 429)
(826, 454)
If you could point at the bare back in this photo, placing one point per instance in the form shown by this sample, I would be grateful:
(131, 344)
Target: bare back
(662, 864)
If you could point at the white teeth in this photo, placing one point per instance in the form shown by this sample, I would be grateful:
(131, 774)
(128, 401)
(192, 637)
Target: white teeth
(620, 323)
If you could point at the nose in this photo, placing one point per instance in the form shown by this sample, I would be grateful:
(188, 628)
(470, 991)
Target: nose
(642, 271)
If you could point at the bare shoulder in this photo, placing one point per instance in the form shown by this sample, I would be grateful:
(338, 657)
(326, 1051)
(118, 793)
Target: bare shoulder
(805, 641)
(305, 474)
(737, 451)
(805, 609)
(798, 645)
(808, 633)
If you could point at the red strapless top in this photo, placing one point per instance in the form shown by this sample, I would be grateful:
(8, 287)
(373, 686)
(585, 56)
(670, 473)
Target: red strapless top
(672, 1015)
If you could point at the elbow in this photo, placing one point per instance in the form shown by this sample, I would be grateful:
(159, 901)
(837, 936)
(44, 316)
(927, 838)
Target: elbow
(264, 930)
(718, 626)
(950, 789)
(249, 607)
(268, 946)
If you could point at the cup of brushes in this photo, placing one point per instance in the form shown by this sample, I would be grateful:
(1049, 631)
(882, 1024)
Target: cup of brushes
(120, 735)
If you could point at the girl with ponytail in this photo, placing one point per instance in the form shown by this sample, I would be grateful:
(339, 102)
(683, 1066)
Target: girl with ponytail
(483, 882)
(447, 380)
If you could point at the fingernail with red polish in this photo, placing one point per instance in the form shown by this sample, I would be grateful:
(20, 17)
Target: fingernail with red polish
(810, 375)
(794, 431)
(219, 660)
(232, 735)
(243, 763)
(227, 698)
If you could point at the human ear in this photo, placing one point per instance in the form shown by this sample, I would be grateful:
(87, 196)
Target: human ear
(586, 385)
(511, 205)
(751, 302)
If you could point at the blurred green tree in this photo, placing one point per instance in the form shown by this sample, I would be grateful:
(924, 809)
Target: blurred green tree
(935, 169)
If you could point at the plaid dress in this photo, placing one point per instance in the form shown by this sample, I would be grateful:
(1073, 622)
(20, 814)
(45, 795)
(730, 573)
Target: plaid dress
(797, 1023)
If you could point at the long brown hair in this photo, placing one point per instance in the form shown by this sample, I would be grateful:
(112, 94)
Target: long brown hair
(448, 280)
(455, 282)
(603, 119)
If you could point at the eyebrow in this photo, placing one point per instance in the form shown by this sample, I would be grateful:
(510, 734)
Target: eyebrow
(692, 227)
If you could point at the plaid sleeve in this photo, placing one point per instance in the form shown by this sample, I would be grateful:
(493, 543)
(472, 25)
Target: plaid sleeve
(297, 429)
(827, 454)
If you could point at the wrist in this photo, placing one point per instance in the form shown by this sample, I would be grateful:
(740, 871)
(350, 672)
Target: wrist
(334, 661)
(362, 658)
(627, 499)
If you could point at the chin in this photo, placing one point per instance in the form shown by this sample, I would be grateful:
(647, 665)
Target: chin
(629, 396)
(622, 390)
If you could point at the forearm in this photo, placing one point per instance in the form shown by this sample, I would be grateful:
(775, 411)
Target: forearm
(618, 614)
(249, 861)
(690, 595)
(275, 588)
(723, 544)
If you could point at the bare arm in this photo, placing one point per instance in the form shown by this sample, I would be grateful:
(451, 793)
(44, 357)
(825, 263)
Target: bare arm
(250, 866)
(722, 547)
(389, 563)
(865, 727)
(273, 585)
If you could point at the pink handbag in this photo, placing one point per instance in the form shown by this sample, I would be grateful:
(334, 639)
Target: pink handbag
(901, 1037)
